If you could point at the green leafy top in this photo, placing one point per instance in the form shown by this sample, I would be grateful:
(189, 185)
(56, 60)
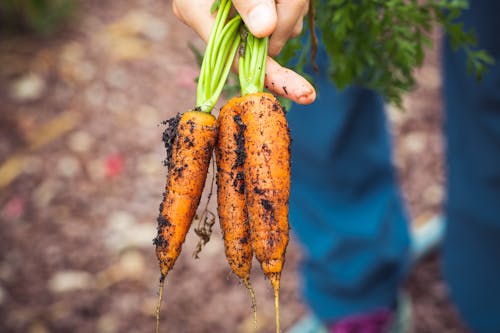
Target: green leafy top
(252, 63)
(378, 43)
(221, 48)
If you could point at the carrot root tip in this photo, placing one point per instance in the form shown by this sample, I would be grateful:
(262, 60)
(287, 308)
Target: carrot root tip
(158, 306)
(249, 287)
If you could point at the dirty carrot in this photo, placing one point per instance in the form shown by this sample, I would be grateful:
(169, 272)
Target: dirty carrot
(231, 208)
(267, 182)
(194, 137)
(266, 166)
(189, 139)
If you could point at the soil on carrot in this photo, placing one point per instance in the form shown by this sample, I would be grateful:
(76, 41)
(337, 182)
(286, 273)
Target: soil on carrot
(169, 135)
(82, 173)
(241, 155)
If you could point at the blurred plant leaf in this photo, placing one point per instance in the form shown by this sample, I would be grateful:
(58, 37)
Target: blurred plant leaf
(378, 44)
(40, 16)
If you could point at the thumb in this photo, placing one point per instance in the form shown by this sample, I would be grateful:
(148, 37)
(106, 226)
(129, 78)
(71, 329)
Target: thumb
(259, 15)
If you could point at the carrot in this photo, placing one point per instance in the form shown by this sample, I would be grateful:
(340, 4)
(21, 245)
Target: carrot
(267, 183)
(191, 150)
(189, 140)
(267, 164)
(232, 210)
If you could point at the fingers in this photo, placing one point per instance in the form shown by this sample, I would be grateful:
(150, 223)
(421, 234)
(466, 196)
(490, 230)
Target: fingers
(287, 83)
(279, 80)
(196, 14)
(259, 15)
(283, 20)
(290, 19)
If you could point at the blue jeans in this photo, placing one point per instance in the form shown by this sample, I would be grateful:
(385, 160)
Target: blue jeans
(345, 206)
(471, 255)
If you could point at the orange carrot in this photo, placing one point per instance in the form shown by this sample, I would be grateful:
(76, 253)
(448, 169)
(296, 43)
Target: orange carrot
(232, 210)
(189, 140)
(188, 164)
(267, 182)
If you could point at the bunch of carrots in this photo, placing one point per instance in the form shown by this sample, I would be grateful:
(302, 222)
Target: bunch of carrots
(252, 152)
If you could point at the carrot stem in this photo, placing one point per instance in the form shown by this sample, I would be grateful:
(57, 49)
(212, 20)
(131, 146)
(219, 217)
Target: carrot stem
(262, 63)
(210, 103)
(219, 26)
(219, 54)
(229, 33)
(252, 66)
(205, 66)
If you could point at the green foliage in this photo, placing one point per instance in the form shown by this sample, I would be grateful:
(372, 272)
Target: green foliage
(378, 43)
(41, 16)
(215, 6)
(232, 86)
(219, 54)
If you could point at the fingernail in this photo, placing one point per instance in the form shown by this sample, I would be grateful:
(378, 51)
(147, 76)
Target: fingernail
(259, 20)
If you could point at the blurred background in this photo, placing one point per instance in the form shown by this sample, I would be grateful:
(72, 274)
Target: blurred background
(84, 87)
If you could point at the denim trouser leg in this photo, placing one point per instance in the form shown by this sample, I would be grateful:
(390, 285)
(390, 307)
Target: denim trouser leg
(472, 243)
(345, 206)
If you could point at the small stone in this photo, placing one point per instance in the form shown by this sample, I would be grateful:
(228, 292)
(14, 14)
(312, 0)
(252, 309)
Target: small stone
(414, 142)
(27, 88)
(398, 115)
(124, 232)
(434, 194)
(72, 52)
(107, 324)
(429, 77)
(150, 164)
(73, 68)
(66, 281)
(132, 264)
(68, 166)
(123, 39)
(120, 219)
(155, 29)
(117, 78)
(45, 192)
(80, 141)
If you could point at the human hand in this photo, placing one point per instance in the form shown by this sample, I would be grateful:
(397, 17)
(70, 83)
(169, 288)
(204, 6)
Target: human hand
(282, 19)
